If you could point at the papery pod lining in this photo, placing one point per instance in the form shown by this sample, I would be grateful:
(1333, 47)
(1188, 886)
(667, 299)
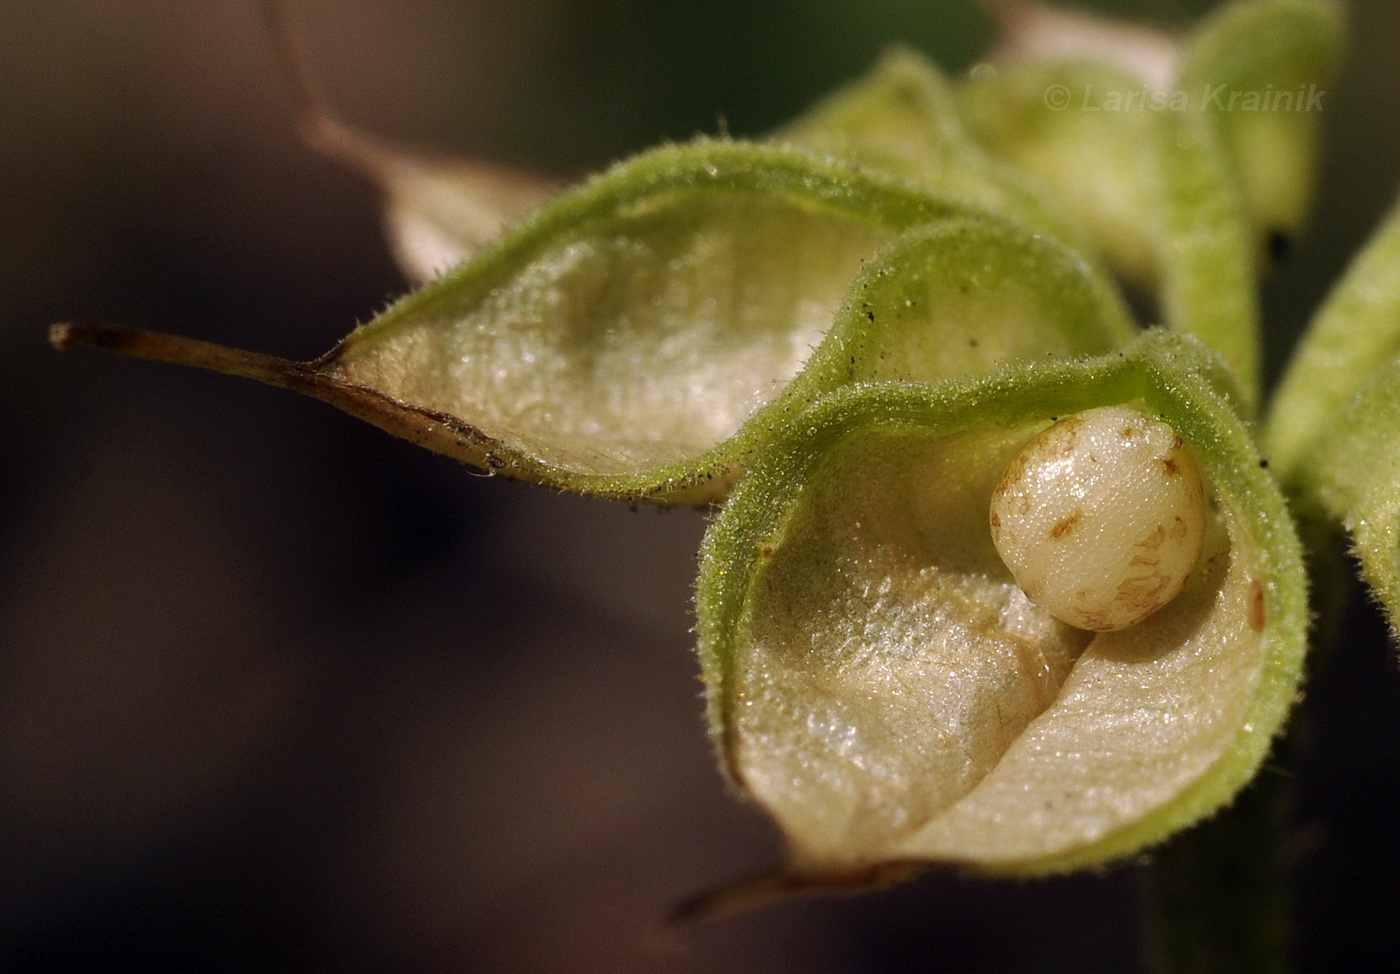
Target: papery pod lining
(1073, 311)
(1055, 799)
(438, 211)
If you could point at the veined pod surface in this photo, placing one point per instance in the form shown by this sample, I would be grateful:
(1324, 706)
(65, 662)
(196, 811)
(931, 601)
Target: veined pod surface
(879, 682)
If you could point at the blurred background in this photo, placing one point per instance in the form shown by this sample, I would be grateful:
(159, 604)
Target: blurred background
(279, 692)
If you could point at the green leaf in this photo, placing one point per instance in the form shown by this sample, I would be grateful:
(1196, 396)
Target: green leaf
(878, 683)
(641, 336)
(1354, 333)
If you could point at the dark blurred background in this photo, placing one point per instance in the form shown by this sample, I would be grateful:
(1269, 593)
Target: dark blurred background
(279, 692)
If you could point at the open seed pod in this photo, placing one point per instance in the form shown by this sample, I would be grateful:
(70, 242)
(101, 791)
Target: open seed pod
(1254, 71)
(882, 686)
(638, 338)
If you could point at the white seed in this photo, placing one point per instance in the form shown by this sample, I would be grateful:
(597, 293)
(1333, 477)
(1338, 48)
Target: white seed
(1101, 517)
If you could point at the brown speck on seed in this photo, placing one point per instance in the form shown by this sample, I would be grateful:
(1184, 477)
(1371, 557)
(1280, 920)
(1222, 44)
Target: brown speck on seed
(1065, 526)
(1154, 540)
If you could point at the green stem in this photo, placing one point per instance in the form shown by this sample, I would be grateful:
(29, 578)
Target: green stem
(1218, 898)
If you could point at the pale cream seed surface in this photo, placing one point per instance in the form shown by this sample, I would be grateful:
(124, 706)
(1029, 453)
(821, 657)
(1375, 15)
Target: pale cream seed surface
(1101, 517)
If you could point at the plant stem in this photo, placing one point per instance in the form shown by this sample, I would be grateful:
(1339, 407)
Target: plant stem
(1218, 899)
(1217, 895)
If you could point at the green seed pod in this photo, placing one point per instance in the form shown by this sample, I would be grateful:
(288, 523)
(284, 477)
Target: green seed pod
(642, 336)
(880, 683)
(1334, 432)
(902, 119)
(1196, 179)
